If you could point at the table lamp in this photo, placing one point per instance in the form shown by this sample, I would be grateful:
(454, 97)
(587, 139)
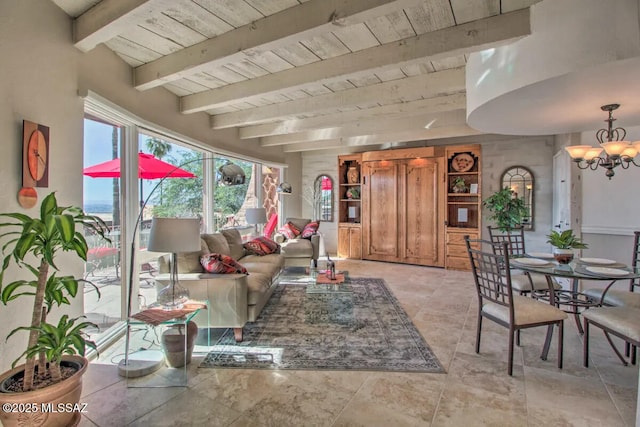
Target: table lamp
(174, 235)
(256, 216)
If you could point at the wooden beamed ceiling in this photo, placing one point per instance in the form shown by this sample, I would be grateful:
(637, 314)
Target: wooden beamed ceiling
(307, 74)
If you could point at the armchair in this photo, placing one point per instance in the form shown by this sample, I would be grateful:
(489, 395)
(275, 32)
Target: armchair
(299, 251)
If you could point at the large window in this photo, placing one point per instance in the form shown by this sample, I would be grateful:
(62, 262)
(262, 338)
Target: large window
(102, 141)
(216, 188)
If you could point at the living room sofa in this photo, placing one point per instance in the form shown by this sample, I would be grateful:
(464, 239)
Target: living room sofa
(233, 299)
(299, 251)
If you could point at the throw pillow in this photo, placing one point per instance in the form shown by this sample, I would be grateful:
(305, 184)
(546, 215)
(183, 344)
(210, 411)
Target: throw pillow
(310, 229)
(223, 264)
(289, 230)
(261, 246)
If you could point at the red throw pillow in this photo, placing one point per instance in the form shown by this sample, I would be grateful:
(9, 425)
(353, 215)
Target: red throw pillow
(261, 246)
(222, 264)
(289, 230)
(310, 229)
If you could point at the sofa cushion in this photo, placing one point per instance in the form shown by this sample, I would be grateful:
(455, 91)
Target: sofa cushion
(234, 239)
(310, 229)
(275, 259)
(189, 262)
(262, 267)
(289, 230)
(221, 264)
(217, 243)
(262, 246)
(299, 223)
(257, 284)
(297, 248)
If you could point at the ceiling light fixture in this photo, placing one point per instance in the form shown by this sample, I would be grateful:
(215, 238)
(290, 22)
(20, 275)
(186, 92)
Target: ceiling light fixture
(617, 152)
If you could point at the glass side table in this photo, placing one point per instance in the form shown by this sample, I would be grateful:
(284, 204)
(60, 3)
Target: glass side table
(158, 349)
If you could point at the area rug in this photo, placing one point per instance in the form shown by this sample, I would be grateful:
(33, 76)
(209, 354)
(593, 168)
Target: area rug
(362, 329)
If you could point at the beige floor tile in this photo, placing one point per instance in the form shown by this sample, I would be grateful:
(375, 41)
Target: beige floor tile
(475, 390)
(568, 397)
(189, 409)
(394, 399)
(462, 405)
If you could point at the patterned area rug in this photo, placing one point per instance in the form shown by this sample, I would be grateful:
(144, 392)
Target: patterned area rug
(364, 328)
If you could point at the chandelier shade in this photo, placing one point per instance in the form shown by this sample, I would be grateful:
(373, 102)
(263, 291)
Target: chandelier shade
(617, 151)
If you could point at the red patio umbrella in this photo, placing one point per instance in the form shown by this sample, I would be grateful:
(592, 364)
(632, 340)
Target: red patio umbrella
(149, 167)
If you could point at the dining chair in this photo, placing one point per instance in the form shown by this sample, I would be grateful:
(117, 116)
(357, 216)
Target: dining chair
(623, 322)
(496, 301)
(621, 297)
(522, 282)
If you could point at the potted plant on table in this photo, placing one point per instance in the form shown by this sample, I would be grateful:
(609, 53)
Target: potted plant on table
(32, 244)
(507, 210)
(564, 242)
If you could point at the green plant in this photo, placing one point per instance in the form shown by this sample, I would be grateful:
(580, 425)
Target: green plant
(565, 240)
(459, 185)
(42, 238)
(507, 210)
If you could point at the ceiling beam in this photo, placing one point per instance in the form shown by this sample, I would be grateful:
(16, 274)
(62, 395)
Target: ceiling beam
(451, 41)
(284, 28)
(427, 85)
(420, 107)
(405, 136)
(109, 18)
(370, 127)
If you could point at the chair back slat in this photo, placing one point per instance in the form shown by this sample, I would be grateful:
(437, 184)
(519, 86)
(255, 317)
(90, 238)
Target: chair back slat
(514, 238)
(635, 260)
(491, 272)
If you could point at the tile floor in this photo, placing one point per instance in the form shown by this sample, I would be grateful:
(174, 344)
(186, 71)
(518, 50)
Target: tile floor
(475, 391)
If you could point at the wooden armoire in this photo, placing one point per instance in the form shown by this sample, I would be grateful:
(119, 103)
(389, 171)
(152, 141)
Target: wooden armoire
(414, 205)
(403, 206)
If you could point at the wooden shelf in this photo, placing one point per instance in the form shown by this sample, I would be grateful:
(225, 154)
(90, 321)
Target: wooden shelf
(467, 206)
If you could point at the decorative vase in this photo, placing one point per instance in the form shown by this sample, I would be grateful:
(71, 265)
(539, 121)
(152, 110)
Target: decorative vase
(459, 188)
(353, 176)
(563, 256)
(65, 394)
(173, 343)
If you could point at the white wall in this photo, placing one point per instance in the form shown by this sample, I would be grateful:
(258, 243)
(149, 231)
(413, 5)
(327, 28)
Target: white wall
(611, 206)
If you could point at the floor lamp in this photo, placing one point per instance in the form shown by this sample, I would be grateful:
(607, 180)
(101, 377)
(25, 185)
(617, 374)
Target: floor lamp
(174, 235)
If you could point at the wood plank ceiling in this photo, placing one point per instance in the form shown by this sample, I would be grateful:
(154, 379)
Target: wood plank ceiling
(307, 74)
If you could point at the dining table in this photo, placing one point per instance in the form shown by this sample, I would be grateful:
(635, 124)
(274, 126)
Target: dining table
(572, 300)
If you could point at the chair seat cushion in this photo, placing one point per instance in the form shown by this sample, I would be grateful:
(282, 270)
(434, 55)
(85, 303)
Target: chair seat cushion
(616, 297)
(624, 320)
(521, 283)
(526, 311)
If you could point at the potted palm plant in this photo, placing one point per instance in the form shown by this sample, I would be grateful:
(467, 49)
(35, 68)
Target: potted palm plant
(55, 362)
(507, 210)
(564, 242)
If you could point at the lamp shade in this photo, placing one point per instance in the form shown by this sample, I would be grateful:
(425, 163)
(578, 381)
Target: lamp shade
(174, 235)
(256, 215)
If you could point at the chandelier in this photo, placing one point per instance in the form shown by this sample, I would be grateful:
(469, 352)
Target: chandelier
(617, 152)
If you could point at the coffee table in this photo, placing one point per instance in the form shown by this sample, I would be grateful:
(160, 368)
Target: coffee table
(330, 303)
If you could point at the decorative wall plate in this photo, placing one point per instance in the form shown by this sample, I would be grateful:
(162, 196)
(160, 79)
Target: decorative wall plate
(462, 162)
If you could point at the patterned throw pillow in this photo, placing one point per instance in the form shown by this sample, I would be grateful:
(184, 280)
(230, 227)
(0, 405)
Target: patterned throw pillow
(261, 246)
(222, 264)
(289, 230)
(310, 229)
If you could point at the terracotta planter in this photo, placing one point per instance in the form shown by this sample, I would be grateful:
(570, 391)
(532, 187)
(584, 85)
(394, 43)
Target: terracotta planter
(173, 344)
(563, 256)
(57, 405)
